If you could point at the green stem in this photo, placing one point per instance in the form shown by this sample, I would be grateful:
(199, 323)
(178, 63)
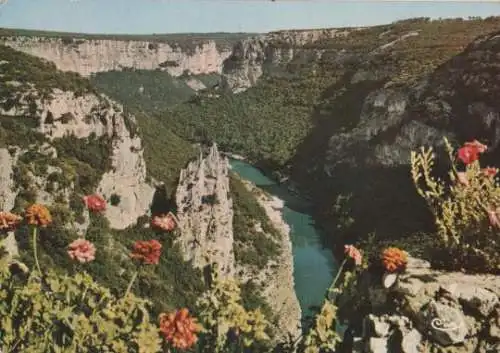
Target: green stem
(132, 280)
(35, 252)
(332, 287)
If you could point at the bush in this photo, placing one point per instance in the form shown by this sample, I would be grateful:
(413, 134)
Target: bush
(71, 313)
(466, 213)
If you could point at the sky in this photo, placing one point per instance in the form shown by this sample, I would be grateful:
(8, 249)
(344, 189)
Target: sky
(177, 16)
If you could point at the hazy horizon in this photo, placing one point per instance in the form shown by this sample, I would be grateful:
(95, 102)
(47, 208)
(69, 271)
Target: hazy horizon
(119, 17)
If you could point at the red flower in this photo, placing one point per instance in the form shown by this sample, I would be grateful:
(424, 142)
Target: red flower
(147, 251)
(352, 252)
(489, 171)
(81, 250)
(164, 222)
(470, 151)
(179, 329)
(94, 203)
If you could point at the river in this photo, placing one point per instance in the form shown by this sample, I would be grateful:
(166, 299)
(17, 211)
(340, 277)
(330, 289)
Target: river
(314, 265)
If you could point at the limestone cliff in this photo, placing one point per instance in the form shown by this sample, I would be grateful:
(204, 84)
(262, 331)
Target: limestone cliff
(251, 57)
(88, 56)
(44, 157)
(205, 213)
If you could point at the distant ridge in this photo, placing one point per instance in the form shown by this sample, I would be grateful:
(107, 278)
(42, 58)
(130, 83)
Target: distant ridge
(159, 37)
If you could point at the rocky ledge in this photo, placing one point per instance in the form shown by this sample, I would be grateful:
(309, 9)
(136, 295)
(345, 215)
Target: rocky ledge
(426, 310)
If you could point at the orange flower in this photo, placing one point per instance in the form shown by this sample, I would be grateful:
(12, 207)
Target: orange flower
(94, 203)
(352, 252)
(81, 250)
(38, 215)
(147, 251)
(164, 222)
(179, 329)
(9, 221)
(394, 259)
(489, 171)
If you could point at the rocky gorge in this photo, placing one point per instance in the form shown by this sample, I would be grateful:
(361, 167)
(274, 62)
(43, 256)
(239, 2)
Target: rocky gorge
(356, 103)
(56, 170)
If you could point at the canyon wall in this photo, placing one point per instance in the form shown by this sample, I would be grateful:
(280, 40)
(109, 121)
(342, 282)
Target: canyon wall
(88, 56)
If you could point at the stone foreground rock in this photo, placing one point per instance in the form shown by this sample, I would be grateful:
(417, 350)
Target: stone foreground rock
(432, 311)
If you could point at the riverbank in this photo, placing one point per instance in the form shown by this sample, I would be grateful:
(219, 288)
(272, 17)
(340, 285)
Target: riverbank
(279, 288)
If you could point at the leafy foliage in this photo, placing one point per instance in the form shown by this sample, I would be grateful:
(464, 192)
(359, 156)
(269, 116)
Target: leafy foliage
(224, 317)
(150, 91)
(71, 313)
(251, 247)
(461, 211)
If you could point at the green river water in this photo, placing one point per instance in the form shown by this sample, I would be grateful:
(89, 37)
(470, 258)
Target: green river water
(314, 265)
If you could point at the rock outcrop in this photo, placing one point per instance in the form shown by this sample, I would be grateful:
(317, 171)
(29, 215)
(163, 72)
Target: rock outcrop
(88, 56)
(431, 311)
(251, 57)
(205, 213)
(62, 114)
(7, 187)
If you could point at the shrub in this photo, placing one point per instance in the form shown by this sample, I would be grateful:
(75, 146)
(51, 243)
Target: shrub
(226, 321)
(71, 313)
(466, 212)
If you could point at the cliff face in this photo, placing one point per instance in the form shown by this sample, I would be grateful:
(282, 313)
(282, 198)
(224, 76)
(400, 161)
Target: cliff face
(44, 155)
(205, 213)
(251, 57)
(88, 56)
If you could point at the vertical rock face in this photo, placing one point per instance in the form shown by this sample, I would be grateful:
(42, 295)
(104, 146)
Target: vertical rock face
(62, 113)
(127, 179)
(91, 114)
(87, 56)
(7, 187)
(205, 212)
